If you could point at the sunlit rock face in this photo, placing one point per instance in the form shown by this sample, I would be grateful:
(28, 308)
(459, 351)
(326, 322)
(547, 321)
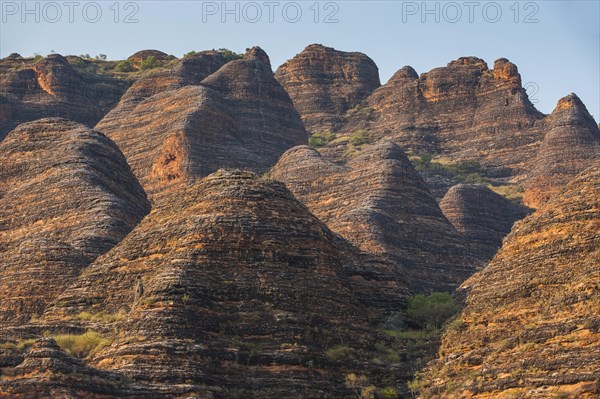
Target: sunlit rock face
(203, 115)
(67, 196)
(530, 324)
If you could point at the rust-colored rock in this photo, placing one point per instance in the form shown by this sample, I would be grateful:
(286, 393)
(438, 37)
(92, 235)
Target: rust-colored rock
(201, 116)
(482, 216)
(268, 122)
(190, 70)
(229, 283)
(379, 203)
(571, 143)
(325, 83)
(48, 372)
(142, 55)
(51, 87)
(461, 111)
(66, 197)
(531, 325)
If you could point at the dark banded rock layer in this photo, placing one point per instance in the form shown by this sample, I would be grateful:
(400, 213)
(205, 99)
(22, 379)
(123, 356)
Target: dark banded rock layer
(483, 217)
(379, 203)
(531, 325)
(51, 87)
(66, 196)
(325, 83)
(571, 144)
(231, 284)
(189, 122)
(464, 111)
(48, 372)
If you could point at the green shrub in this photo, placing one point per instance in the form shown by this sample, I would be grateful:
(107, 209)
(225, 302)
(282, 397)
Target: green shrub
(319, 139)
(124, 66)
(360, 137)
(424, 159)
(22, 344)
(77, 62)
(387, 354)
(339, 353)
(474, 178)
(388, 393)
(510, 192)
(456, 324)
(102, 317)
(468, 167)
(464, 171)
(229, 55)
(415, 385)
(82, 345)
(186, 55)
(149, 63)
(431, 311)
(365, 111)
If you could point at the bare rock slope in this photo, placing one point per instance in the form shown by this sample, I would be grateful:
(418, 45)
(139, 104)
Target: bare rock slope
(378, 202)
(482, 216)
(51, 87)
(66, 196)
(201, 116)
(464, 111)
(230, 286)
(324, 83)
(531, 326)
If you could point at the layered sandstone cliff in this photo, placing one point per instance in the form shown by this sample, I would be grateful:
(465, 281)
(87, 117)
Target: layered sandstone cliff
(462, 112)
(530, 326)
(571, 144)
(67, 196)
(33, 89)
(482, 216)
(378, 201)
(201, 116)
(324, 83)
(230, 285)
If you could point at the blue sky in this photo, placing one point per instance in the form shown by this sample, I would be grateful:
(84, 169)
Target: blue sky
(555, 44)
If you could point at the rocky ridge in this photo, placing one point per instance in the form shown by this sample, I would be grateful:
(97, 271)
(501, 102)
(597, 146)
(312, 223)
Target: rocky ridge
(230, 286)
(325, 83)
(530, 326)
(571, 144)
(48, 372)
(67, 196)
(483, 217)
(379, 203)
(51, 87)
(462, 112)
(204, 115)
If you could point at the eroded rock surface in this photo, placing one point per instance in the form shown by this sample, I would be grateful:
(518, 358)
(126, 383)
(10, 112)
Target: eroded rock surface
(142, 55)
(464, 111)
(379, 203)
(482, 216)
(48, 372)
(530, 326)
(201, 116)
(51, 87)
(324, 83)
(67, 196)
(231, 284)
(571, 144)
